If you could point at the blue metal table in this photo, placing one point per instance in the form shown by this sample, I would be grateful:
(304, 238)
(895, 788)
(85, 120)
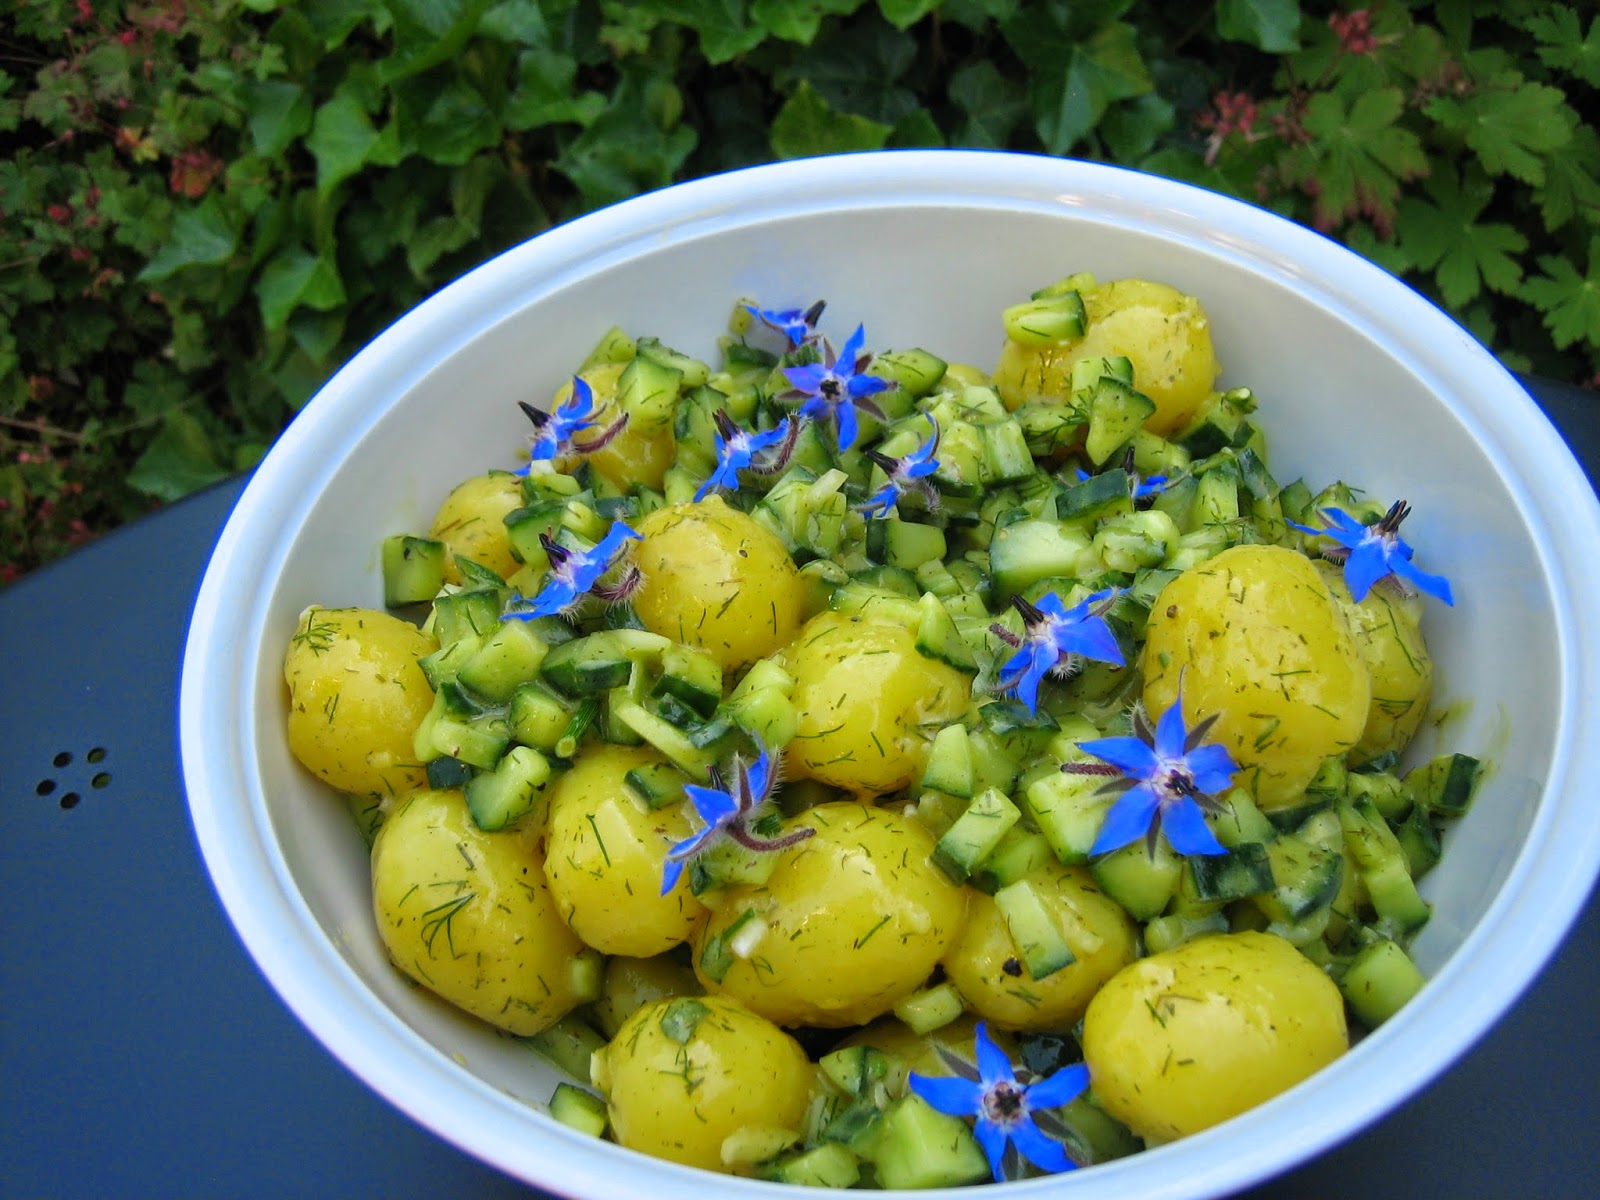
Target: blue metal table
(142, 1055)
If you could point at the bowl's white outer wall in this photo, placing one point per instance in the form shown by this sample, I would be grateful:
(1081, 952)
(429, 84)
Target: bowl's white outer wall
(1358, 378)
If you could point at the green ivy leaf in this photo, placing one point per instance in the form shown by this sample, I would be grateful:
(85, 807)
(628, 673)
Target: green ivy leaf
(341, 138)
(456, 123)
(858, 68)
(1364, 155)
(1133, 128)
(1447, 238)
(545, 93)
(807, 126)
(203, 236)
(278, 112)
(798, 20)
(915, 130)
(992, 102)
(294, 277)
(724, 32)
(1563, 46)
(627, 149)
(1269, 25)
(1105, 68)
(903, 14)
(1510, 124)
(1570, 302)
(180, 460)
(427, 33)
(518, 22)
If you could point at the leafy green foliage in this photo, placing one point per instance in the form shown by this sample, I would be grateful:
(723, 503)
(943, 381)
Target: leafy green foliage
(207, 208)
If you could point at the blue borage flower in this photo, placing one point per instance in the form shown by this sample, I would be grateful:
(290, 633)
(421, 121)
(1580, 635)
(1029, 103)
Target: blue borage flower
(556, 432)
(798, 325)
(908, 474)
(1055, 641)
(835, 387)
(737, 450)
(1171, 779)
(1371, 553)
(730, 812)
(575, 574)
(1009, 1117)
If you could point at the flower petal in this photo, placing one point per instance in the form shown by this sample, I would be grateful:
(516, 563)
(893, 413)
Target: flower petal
(671, 872)
(715, 808)
(993, 1065)
(993, 1140)
(1063, 1087)
(1171, 733)
(949, 1095)
(1366, 565)
(1213, 768)
(807, 378)
(1128, 754)
(557, 596)
(1091, 638)
(1045, 1153)
(1128, 819)
(852, 348)
(845, 417)
(760, 775)
(1186, 828)
(1435, 585)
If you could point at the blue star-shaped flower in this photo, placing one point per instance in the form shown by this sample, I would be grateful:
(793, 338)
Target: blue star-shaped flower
(1054, 640)
(1171, 779)
(556, 432)
(574, 574)
(737, 449)
(835, 387)
(798, 325)
(908, 474)
(729, 812)
(1374, 552)
(1007, 1113)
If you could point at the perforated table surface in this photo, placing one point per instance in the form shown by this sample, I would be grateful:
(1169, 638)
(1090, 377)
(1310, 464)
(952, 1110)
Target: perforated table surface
(141, 1054)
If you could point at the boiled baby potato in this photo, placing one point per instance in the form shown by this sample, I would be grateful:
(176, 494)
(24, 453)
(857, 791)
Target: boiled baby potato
(472, 523)
(642, 452)
(865, 697)
(851, 921)
(983, 962)
(1256, 636)
(1388, 631)
(1183, 1040)
(1164, 333)
(604, 853)
(684, 1074)
(356, 697)
(468, 915)
(713, 578)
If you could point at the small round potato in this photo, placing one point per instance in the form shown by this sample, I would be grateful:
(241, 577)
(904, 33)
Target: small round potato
(1388, 632)
(642, 452)
(1165, 334)
(468, 915)
(1256, 636)
(356, 697)
(714, 578)
(865, 696)
(472, 523)
(983, 962)
(683, 1074)
(852, 920)
(1183, 1040)
(604, 852)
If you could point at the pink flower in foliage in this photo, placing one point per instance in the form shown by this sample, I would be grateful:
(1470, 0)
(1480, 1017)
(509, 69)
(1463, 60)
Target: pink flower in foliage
(1354, 31)
(1230, 112)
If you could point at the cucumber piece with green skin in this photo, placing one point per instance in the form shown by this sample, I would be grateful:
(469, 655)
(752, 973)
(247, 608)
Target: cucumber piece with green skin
(889, 579)
(1116, 412)
(647, 391)
(614, 346)
(1142, 882)
(1307, 872)
(1101, 495)
(1174, 929)
(601, 661)
(717, 955)
(909, 545)
(693, 371)
(949, 764)
(1216, 500)
(915, 372)
(659, 785)
(1383, 868)
(976, 832)
(413, 569)
(537, 717)
(938, 638)
(511, 791)
(1006, 457)
(506, 659)
(525, 526)
(1242, 872)
(1046, 320)
(856, 1070)
(474, 613)
(440, 667)
(1219, 422)
(446, 772)
(578, 1109)
(1019, 852)
(1050, 428)
(568, 1045)
(919, 1147)
(1445, 785)
(1027, 551)
(829, 1165)
(932, 1008)
(1419, 839)
(447, 730)
(1379, 981)
(1068, 810)
(666, 737)
(876, 602)
(1038, 939)
(692, 676)
(960, 462)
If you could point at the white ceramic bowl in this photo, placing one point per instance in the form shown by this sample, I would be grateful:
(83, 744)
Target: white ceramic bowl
(1358, 377)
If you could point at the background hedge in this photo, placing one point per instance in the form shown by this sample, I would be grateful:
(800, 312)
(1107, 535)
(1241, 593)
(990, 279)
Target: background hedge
(209, 206)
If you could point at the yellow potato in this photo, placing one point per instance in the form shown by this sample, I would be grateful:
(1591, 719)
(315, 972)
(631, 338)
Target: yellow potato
(467, 914)
(641, 453)
(1102, 937)
(1183, 1040)
(715, 579)
(852, 920)
(865, 699)
(1255, 635)
(472, 523)
(631, 983)
(682, 1075)
(356, 697)
(1388, 633)
(604, 854)
(1165, 334)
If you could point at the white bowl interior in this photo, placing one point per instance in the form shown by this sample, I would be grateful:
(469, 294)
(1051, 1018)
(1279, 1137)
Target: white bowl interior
(1357, 379)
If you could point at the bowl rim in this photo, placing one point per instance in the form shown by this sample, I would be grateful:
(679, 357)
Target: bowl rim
(1540, 899)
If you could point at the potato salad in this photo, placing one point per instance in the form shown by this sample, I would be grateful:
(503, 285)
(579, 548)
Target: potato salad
(861, 769)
